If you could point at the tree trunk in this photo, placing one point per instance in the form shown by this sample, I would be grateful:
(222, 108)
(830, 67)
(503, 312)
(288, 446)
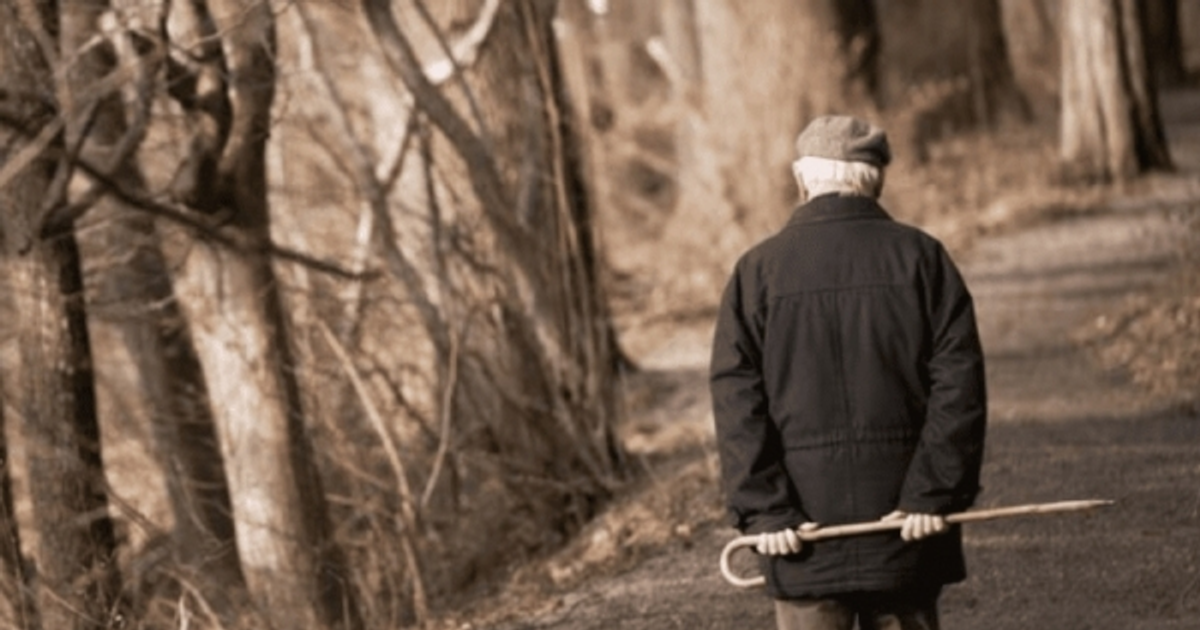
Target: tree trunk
(76, 550)
(17, 610)
(172, 384)
(1165, 42)
(1110, 124)
(232, 304)
(19, 64)
(228, 298)
(996, 97)
(946, 69)
(758, 90)
(153, 331)
(1031, 36)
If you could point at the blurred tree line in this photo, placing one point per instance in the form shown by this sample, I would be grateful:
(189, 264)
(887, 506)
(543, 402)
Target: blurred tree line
(339, 268)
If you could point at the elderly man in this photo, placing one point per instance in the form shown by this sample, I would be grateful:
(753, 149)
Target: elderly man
(848, 385)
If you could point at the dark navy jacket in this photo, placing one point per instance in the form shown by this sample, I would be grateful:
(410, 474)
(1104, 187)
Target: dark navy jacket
(848, 381)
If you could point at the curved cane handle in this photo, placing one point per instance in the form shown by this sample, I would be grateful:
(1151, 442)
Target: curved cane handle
(740, 542)
(806, 536)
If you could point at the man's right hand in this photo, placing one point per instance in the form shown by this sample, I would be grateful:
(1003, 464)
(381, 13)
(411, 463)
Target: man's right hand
(783, 542)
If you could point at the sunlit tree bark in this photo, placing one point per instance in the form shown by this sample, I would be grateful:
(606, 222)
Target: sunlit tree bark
(185, 443)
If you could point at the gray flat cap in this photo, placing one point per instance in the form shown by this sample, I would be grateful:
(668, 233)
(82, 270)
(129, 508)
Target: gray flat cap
(844, 138)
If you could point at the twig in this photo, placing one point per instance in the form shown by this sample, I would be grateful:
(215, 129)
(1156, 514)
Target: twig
(447, 413)
(199, 599)
(26, 155)
(1181, 600)
(388, 181)
(75, 136)
(377, 422)
(407, 508)
(569, 236)
(575, 277)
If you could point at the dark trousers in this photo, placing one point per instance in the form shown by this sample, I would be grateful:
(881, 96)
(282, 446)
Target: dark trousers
(873, 611)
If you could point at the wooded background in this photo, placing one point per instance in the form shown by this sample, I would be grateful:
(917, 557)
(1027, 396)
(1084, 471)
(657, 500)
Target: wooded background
(314, 312)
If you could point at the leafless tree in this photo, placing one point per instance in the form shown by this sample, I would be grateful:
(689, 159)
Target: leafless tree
(134, 293)
(519, 326)
(53, 385)
(224, 78)
(526, 187)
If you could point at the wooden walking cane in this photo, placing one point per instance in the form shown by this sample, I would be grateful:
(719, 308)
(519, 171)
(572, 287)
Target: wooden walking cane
(854, 529)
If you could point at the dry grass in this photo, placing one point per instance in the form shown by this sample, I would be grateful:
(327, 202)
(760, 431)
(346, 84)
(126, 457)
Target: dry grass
(1152, 338)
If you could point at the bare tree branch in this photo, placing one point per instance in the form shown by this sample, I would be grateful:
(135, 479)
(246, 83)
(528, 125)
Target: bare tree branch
(76, 116)
(485, 180)
(447, 411)
(33, 21)
(363, 174)
(205, 224)
(58, 214)
(30, 152)
(464, 53)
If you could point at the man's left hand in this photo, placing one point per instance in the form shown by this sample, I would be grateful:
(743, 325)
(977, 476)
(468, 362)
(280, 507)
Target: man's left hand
(918, 526)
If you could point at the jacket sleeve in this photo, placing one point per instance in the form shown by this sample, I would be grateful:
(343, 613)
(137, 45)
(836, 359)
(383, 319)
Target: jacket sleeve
(759, 495)
(943, 476)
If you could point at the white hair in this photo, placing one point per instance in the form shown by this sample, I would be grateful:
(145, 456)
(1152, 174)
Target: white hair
(820, 176)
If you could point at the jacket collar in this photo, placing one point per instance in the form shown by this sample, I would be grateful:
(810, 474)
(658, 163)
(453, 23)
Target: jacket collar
(835, 207)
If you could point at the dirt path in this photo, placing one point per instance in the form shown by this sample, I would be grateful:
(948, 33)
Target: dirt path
(1062, 428)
